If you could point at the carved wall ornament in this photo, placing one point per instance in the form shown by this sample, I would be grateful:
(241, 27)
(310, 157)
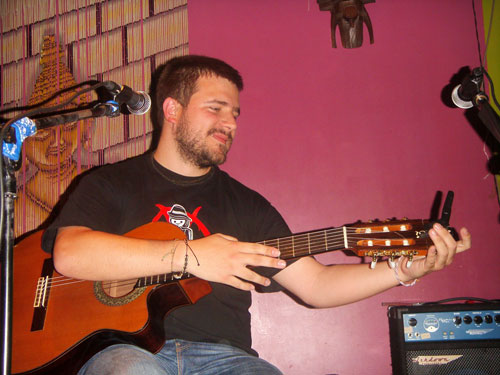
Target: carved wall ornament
(349, 16)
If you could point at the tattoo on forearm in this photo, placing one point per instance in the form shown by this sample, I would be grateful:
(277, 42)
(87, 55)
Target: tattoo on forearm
(172, 254)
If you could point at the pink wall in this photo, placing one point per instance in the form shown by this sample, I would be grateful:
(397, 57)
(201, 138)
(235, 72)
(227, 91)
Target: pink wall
(331, 136)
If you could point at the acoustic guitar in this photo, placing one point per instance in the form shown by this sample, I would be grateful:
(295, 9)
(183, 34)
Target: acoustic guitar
(59, 322)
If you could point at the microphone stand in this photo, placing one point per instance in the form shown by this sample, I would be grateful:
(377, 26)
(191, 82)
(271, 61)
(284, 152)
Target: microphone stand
(469, 94)
(9, 197)
(487, 115)
(109, 109)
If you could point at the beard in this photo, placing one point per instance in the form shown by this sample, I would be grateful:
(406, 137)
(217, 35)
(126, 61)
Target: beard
(194, 148)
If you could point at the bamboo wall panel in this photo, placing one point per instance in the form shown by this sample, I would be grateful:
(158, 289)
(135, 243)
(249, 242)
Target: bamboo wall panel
(46, 45)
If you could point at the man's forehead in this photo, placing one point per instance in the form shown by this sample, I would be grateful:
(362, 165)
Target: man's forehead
(218, 90)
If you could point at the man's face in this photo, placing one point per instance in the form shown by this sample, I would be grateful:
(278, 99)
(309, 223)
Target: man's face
(206, 128)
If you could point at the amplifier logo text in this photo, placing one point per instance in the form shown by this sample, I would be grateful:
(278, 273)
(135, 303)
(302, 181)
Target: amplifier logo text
(426, 360)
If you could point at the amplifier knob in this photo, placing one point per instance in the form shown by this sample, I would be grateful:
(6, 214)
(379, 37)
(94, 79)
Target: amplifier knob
(488, 319)
(412, 322)
(497, 319)
(467, 319)
(478, 319)
(457, 320)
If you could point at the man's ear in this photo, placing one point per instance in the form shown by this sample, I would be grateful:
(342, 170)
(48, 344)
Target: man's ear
(172, 110)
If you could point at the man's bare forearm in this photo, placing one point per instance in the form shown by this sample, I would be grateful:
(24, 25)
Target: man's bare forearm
(83, 253)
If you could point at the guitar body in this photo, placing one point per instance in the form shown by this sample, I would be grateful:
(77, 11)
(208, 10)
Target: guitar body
(74, 324)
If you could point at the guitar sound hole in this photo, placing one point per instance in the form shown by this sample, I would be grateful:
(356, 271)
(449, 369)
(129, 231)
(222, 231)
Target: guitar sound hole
(116, 293)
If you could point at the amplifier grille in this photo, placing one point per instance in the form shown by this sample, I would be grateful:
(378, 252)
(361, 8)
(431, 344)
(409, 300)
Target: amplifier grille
(464, 361)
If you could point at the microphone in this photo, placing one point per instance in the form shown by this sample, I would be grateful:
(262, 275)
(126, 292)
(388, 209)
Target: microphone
(137, 102)
(25, 127)
(464, 93)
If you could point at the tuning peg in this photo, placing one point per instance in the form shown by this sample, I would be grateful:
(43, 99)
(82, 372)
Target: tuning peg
(410, 261)
(374, 262)
(392, 263)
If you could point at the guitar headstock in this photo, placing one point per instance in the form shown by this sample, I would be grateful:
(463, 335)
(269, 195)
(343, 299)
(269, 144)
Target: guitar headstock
(395, 238)
(389, 239)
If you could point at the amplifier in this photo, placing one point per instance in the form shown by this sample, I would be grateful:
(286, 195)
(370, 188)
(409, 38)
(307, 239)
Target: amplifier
(445, 339)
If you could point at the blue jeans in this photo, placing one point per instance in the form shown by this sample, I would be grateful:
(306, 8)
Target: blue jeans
(177, 357)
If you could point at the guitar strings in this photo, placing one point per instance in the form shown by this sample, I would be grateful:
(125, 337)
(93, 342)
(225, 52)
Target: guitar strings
(321, 241)
(63, 281)
(314, 242)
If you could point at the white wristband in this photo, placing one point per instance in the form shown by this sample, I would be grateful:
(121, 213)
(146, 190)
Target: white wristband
(396, 274)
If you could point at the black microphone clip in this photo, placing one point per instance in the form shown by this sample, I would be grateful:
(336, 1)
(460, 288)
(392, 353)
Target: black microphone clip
(135, 102)
(469, 93)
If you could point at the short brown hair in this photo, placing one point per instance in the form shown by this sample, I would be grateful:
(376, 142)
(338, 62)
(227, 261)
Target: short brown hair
(177, 79)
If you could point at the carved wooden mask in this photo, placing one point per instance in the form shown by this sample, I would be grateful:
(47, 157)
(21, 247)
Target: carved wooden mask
(349, 16)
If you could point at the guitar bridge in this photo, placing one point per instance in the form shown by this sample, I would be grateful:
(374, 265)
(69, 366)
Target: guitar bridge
(41, 292)
(42, 296)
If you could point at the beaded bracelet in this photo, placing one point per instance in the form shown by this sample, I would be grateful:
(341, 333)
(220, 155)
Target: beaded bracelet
(396, 274)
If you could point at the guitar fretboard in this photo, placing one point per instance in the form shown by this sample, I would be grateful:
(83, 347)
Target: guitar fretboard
(309, 243)
(153, 280)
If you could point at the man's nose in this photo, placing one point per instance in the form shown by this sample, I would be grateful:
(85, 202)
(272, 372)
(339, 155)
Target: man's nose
(229, 121)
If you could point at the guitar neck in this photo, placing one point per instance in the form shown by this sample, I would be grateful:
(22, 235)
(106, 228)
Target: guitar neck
(310, 243)
(377, 239)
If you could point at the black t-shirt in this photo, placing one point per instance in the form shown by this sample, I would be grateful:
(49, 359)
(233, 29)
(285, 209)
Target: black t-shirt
(120, 197)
